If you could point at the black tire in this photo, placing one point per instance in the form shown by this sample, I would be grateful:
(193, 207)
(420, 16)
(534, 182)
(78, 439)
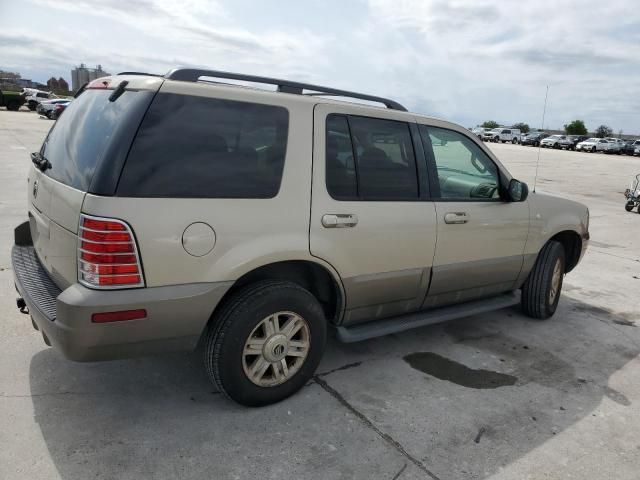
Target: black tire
(514, 141)
(32, 105)
(13, 106)
(537, 301)
(225, 338)
(629, 206)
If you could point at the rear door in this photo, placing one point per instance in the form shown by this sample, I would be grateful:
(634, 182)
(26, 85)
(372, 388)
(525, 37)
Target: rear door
(371, 217)
(481, 237)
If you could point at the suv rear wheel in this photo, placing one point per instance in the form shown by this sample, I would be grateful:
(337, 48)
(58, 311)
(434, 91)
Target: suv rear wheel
(265, 343)
(541, 291)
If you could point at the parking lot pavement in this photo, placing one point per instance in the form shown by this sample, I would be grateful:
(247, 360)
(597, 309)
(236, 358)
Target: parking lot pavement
(493, 396)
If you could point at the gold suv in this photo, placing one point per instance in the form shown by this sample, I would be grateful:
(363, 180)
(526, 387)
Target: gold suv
(171, 212)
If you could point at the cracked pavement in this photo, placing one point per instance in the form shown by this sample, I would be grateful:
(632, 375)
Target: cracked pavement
(495, 396)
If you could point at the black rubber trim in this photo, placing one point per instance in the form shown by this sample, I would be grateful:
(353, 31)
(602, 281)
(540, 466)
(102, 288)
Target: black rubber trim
(33, 282)
(420, 319)
(22, 235)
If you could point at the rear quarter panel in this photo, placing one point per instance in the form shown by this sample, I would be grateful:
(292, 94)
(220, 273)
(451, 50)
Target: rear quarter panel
(249, 232)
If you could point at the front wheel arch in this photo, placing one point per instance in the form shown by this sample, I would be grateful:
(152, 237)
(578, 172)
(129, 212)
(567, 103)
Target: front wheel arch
(572, 244)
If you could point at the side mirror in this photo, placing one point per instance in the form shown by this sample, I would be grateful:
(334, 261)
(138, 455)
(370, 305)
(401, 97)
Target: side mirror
(517, 191)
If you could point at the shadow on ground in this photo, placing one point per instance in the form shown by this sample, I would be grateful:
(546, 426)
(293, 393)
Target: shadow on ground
(458, 400)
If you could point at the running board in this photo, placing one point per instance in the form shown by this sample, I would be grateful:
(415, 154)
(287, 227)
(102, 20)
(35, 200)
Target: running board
(401, 323)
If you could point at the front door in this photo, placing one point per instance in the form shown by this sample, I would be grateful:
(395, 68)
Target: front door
(371, 217)
(481, 237)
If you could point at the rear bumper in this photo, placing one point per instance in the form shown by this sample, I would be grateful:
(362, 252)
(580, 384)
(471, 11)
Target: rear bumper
(176, 314)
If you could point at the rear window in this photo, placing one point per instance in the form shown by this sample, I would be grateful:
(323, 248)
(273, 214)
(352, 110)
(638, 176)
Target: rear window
(78, 140)
(202, 147)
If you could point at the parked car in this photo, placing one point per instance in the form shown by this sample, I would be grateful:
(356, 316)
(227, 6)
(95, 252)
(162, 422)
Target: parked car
(571, 141)
(615, 145)
(502, 135)
(510, 135)
(113, 275)
(552, 141)
(492, 135)
(12, 100)
(534, 138)
(630, 146)
(60, 107)
(593, 145)
(479, 131)
(47, 107)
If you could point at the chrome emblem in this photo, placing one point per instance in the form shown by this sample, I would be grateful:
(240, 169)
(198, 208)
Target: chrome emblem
(35, 189)
(278, 350)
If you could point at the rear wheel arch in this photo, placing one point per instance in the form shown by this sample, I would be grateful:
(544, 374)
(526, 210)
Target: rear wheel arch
(314, 277)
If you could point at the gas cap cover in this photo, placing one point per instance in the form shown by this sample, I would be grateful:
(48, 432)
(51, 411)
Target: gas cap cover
(198, 239)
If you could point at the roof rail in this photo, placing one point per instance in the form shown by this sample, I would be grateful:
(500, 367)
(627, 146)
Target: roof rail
(140, 73)
(285, 86)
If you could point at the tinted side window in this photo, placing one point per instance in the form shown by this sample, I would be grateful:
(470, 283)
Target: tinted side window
(204, 147)
(385, 163)
(465, 172)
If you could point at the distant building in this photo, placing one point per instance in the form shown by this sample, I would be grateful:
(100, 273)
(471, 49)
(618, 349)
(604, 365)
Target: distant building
(82, 74)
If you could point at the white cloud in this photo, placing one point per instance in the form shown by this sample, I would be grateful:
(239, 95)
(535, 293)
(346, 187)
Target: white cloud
(464, 60)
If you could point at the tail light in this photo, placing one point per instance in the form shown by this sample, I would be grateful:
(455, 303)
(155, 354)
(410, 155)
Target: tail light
(107, 254)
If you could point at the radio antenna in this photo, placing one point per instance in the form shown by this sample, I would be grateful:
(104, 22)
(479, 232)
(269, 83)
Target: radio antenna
(544, 111)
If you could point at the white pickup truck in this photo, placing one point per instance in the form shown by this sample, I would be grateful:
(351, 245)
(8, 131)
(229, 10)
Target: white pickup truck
(502, 135)
(33, 97)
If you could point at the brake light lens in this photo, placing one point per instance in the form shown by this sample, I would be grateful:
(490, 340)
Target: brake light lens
(107, 254)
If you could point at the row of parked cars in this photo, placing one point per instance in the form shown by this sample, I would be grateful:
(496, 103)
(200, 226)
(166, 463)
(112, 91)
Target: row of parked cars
(566, 142)
(47, 104)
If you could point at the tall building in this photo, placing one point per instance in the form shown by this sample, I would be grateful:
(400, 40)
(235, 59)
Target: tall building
(82, 74)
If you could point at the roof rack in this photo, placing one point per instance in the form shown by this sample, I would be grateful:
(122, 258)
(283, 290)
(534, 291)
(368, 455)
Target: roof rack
(141, 73)
(285, 86)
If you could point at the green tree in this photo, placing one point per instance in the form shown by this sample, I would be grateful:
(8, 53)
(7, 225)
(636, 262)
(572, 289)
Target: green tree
(576, 127)
(523, 127)
(604, 131)
(490, 124)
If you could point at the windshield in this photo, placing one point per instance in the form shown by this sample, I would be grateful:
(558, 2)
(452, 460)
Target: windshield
(77, 141)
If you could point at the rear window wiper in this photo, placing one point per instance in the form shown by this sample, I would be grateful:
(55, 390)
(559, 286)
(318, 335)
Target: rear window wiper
(40, 161)
(118, 91)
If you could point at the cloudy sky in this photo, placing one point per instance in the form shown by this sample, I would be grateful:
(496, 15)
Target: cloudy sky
(466, 61)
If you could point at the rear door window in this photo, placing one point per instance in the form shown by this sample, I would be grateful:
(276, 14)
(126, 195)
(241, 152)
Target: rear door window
(384, 167)
(202, 147)
(79, 138)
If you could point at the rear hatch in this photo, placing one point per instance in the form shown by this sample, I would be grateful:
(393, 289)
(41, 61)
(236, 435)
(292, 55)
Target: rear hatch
(83, 152)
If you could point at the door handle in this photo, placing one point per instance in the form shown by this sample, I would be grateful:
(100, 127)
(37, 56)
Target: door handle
(456, 217)
(339, 220)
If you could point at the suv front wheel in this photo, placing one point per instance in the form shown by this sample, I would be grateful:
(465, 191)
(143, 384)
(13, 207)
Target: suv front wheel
(541, 291)
(265, 343)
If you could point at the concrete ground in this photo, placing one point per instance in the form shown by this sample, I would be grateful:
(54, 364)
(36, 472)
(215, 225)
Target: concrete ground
(495, 396)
